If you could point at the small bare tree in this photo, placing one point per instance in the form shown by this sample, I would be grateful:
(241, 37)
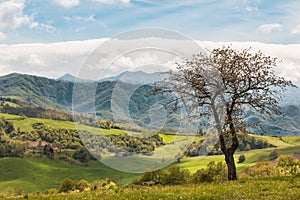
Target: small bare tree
(222, 85)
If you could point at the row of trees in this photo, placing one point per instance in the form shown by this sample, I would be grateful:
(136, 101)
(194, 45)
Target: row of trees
(52, 141)
(246, 143)
(215, 171)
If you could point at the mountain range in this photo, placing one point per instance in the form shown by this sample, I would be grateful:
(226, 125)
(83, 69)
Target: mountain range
(58, 94)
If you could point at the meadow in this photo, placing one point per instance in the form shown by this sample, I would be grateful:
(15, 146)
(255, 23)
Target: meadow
(269, 189)
(38, 173)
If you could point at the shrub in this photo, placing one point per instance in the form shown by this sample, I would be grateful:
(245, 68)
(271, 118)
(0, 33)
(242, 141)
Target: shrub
(261, 169)
(273, 154)
(213, 172)
(82, 185)
(287, 165)
(242, 158)
(67, 185)
(51, 191)
(157, 176)
(176, 176)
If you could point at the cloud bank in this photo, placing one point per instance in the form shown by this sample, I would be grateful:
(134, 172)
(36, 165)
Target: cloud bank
(55, 59)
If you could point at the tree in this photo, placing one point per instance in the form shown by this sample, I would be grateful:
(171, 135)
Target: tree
(242, 158)
(67, 185)
(221, 86)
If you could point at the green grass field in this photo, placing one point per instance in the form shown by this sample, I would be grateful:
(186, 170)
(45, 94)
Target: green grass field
(26, 124)
(39, 174)
(269, 189)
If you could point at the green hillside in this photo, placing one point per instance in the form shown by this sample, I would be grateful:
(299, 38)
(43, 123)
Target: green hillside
(36, 173)
(58, 94)
(39, 174)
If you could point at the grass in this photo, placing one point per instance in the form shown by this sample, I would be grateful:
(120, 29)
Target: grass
(168, 138)
(26, 124)
(39, 174)
(252, 157)
(269, 189)
(294, 140)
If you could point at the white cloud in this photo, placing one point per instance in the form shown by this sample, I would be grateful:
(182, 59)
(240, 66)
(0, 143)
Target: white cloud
(111, 1)
(296, 30)
(34, 60)
(90, 18)
(251, 8)
(268, 28)
(288, 54)
(79, 29)
(56, 59)
(2, 36)
(47, 27)
(12, 16)
(67, 3)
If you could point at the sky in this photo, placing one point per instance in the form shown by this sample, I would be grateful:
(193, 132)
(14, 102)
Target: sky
(35, 21)
(53, 37)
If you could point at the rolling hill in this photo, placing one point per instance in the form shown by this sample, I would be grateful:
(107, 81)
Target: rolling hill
(97, 97)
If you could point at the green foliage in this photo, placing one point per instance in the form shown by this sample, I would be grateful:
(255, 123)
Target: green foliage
(241, 158)
(136, 144)
(82, 155)
(82, 185)
(261, 169)
(157, 176)
(274, 154)
(285, 166)
(246, 143)
(173, 176)
(67, 185)
(176, 176)
(213, 172)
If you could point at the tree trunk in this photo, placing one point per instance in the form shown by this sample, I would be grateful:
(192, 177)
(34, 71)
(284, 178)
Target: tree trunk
(230, 166)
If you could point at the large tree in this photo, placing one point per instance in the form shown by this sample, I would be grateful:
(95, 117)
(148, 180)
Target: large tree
(223, 85)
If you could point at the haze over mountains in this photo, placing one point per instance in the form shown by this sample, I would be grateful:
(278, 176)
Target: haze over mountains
(58, 94)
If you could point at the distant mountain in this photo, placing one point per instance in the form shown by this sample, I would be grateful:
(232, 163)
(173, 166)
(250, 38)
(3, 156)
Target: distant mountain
(292, 97)
(137, 77)
(70, 78)
(286, 124)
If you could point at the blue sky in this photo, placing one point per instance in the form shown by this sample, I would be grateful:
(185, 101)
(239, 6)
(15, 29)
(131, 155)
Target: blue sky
(35, 21)
(53, 37)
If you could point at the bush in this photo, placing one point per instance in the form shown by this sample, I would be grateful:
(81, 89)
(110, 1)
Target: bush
(51, 191)
(82, 185)
(176, 176)
(157, 176)
(261, 169)
(273, 154)
(242, 158)
(213, 172)
(67, 185)
(287, 165)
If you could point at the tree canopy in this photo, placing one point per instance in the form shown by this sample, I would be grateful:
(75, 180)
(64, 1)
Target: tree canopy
(222, 85)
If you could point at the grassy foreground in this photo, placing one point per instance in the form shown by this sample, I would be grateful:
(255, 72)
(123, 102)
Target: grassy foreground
(39, 174)
(276, 188)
